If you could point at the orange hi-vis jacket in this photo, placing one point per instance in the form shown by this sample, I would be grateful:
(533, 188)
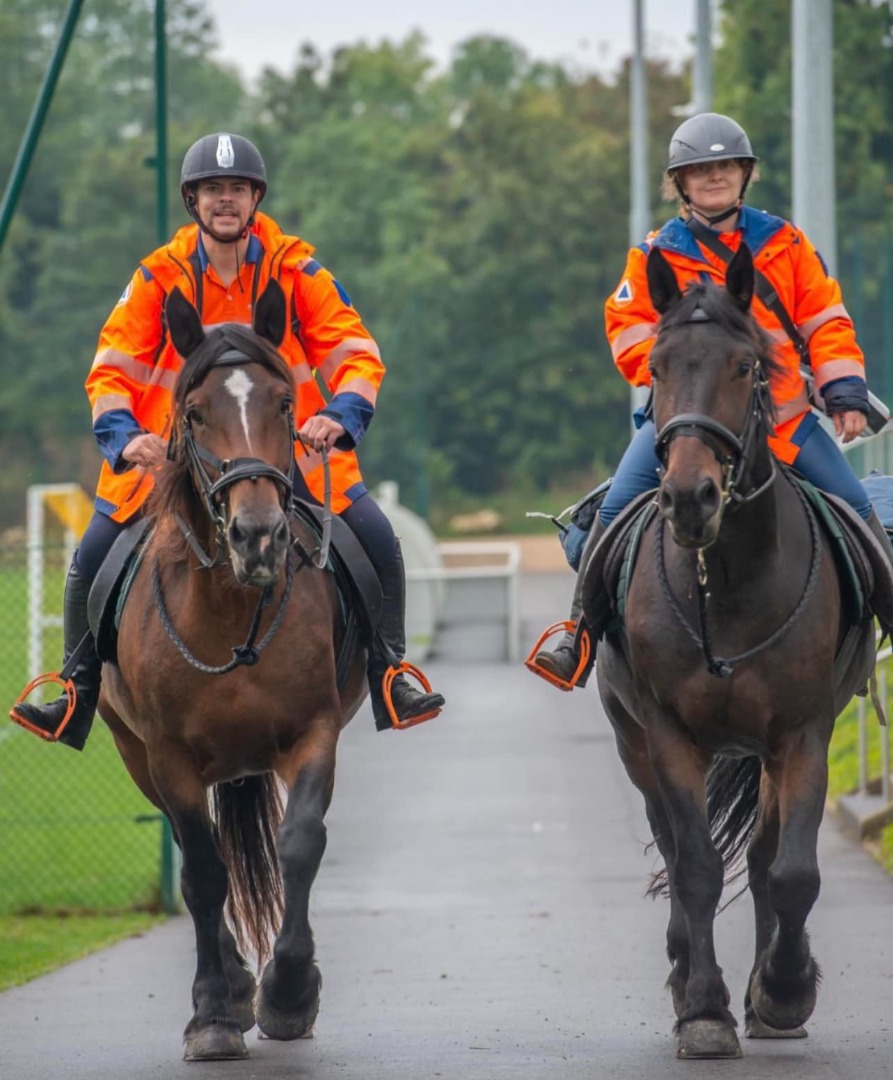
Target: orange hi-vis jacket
(131, 382)
(810, 295)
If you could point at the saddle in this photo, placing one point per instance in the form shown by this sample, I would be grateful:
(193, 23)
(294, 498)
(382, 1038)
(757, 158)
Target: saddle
(862, 563)
(356, 582)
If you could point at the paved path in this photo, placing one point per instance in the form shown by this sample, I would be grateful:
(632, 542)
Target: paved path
(480, 914)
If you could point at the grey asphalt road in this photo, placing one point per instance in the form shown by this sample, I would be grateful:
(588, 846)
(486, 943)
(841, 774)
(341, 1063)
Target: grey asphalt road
(480, 914)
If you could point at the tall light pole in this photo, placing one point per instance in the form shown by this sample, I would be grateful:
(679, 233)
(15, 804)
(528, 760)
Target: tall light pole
(640, 208)
(702, 96)
(813, 135)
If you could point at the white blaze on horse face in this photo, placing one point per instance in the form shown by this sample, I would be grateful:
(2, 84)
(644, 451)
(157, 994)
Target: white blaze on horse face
(240, 386)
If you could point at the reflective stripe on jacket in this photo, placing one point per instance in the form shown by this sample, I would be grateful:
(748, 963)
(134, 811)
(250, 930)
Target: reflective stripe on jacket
(131, 382)
(786, 257)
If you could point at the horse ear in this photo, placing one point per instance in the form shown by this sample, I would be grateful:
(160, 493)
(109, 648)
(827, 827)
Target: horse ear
(662, 284)
(269, 314)
(183, 322)
(740, 277)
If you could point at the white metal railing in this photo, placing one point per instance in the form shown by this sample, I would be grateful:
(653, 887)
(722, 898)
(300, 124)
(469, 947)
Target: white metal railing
(495, 566)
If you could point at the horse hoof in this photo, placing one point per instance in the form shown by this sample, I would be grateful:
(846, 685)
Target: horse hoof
(781, 1016)
(754, 1028)
(215, 1042)
(285, 1026)
(707, 1038)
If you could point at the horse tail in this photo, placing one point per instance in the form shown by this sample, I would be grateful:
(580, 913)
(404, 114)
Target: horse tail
(248, 814)
(733, 802)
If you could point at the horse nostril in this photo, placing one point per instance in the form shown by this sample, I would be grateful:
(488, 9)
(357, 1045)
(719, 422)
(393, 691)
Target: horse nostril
(280, 533)
(236, 533)
(708, 496)
(666, 500)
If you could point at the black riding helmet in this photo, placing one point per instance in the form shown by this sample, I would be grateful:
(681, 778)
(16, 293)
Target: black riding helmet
(709, 137)
(218, 155)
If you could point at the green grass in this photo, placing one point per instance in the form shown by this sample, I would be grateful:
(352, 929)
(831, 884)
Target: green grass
(33, 945)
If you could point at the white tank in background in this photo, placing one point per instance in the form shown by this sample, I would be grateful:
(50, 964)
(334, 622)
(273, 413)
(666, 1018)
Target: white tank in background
(425, 591)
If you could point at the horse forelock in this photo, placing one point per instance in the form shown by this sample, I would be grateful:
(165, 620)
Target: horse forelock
(719, 309)
(219, 341)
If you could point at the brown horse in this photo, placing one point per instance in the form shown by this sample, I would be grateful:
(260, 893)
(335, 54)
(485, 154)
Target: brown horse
(226, 679)
(736, 655)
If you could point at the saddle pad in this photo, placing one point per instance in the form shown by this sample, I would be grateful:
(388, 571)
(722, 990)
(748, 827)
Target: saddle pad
(610, 562)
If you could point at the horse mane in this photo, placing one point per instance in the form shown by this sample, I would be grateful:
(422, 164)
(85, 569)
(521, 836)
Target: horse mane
(719, 308)
(174, 491)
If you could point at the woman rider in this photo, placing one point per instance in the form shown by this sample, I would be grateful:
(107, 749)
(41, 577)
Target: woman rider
(709, 167)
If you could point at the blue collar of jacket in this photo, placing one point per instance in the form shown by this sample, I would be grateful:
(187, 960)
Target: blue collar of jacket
(251, 255)
(757, 228)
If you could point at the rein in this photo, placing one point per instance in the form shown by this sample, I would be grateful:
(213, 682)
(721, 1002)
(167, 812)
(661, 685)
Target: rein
(719, 666)
(247, 654)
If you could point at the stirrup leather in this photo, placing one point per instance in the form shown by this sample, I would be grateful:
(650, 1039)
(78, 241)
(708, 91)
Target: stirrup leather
(584, 648)
(387, 681)
(68, 689)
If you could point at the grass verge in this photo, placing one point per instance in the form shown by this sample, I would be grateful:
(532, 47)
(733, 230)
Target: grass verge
(843, 770)
(32, 945)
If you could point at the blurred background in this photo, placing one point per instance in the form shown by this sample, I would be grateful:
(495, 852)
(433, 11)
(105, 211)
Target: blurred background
(467, 176)
(472, 193)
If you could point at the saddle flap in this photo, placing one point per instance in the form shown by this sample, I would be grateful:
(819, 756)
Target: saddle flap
(354, 572)
(102, 603)
(870, 559)
(602, 572)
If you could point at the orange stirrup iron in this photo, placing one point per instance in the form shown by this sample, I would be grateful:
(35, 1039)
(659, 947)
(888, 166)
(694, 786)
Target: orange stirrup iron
(583, 645)
(70, 693)
(405, 668)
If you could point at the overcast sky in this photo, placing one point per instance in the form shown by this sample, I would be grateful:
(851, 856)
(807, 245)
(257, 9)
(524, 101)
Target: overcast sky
(593, 35)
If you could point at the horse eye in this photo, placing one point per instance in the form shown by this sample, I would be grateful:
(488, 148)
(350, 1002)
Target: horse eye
(286, 405)
(193, 416)
(653, 372)
(744, 369)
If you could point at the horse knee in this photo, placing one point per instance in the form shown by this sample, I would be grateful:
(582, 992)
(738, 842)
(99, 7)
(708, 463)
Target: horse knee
(301, 841)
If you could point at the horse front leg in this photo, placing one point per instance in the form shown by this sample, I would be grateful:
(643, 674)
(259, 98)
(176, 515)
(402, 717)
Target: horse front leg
(214, 1033)
(288, 995)
(760, 853)
(705, 1028)
(632, 748)
(784, 982)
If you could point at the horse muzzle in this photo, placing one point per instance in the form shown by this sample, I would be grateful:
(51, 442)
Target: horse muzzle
(258, 546)
(693, 511)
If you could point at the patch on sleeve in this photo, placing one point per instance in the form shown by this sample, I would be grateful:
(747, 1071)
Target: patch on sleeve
(624, 293)
(342, 292)
(125, 296)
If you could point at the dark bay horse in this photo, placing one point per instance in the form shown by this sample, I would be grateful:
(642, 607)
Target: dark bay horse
(735, 657)
(225, 680)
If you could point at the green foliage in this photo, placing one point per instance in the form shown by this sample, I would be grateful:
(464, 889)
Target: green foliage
(477, 215)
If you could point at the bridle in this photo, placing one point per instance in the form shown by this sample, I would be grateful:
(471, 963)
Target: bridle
(213, 494)
(732, 451)
(229, 472)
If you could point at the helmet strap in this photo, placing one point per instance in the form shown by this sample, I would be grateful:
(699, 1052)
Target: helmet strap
(192, 211)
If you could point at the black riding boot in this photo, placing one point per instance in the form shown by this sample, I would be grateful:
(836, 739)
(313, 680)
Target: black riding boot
(563, 659)
(389, 649)
(86, 675)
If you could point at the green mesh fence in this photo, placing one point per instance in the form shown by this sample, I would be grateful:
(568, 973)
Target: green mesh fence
(75, 833)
